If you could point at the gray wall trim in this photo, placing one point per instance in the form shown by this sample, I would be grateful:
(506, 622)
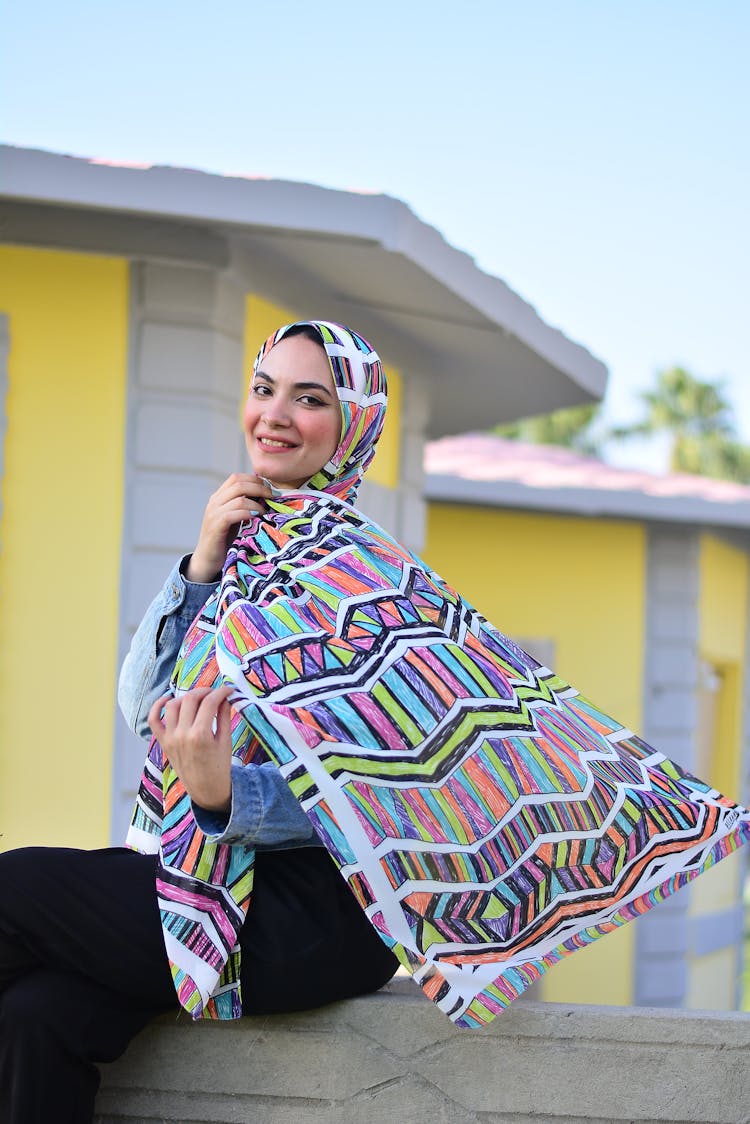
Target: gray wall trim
(4, 353)
(670, 722)
(185, 383)
(714, 931)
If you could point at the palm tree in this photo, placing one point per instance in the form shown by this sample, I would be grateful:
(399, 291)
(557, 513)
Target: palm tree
(699, 421)
(571, 428)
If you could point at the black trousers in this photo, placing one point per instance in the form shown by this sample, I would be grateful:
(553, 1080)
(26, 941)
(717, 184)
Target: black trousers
(83, 967)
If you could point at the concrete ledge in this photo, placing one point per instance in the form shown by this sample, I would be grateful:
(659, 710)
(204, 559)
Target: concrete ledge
(392, 1058)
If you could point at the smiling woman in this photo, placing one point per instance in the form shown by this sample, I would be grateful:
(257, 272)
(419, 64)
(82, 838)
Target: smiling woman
(350, 768)
(292, 418)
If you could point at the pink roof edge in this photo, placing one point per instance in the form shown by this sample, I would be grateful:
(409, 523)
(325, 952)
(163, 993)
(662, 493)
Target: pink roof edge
(485, 457)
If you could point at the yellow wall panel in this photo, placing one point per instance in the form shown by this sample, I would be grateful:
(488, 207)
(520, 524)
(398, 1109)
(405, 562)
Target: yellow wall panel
(723, 638)
(578, 584)
(723, 603)
(386, 463)
(713, 981)
(261, 318)
(60, 534)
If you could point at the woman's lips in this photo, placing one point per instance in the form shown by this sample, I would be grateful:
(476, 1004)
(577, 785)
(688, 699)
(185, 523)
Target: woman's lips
(275, 445)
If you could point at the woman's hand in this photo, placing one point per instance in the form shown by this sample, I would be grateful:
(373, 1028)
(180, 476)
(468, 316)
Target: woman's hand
(201, 757)
(238, 498)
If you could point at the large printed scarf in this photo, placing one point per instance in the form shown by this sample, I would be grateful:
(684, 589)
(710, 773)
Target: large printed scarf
(488, 818)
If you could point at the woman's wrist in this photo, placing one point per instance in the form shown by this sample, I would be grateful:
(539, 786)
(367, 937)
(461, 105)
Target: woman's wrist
(200, 573)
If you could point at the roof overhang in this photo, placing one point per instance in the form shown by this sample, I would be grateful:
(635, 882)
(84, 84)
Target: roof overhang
(367, 259)
(589, 502)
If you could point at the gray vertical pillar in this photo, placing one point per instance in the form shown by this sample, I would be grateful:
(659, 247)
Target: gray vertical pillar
(4, 350)
(402, 510)
(412, 512)
(670, 725)
(744, 797)
(183, 438)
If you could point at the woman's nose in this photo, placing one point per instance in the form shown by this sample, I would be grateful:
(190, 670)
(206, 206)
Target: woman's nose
(276, 412)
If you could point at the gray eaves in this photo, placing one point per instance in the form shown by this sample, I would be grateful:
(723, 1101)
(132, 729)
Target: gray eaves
(486, 354)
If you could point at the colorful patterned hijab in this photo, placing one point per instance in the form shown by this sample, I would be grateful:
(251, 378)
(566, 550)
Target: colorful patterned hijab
(361, 388)
(487, 817)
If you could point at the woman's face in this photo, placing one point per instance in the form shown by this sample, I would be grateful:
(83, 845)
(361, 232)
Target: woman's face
(292, 418)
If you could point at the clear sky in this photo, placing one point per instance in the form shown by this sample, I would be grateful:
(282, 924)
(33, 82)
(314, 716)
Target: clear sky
(593, 153)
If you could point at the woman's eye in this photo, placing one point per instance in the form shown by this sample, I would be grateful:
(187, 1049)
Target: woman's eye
(260, 391)
(311, 400)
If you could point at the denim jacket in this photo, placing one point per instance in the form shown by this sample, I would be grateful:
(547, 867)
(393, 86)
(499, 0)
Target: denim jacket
(264, 814)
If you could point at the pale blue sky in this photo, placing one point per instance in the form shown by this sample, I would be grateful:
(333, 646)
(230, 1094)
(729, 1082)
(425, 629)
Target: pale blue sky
(593, 154)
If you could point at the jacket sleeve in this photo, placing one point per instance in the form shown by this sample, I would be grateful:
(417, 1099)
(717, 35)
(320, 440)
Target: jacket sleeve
(148, 666)
(263, 814)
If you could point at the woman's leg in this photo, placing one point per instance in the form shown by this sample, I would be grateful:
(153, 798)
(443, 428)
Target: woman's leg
(82, 970)
(306, 941)
(90, 920)
(54, 1027)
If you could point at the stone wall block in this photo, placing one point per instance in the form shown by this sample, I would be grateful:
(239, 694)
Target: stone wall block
(672, 622)
(674, 664)
(143, 578)
(400, 1020)
(181, 358)
(177, 289)
(166, 511)
(662, 980)
(182, 433)
(415, 403)
(380, 504)
(657, 936)
(412, 518)
(675, 580)
(672, 708)
(412, 459)
(512, 1082)
(537, 1062)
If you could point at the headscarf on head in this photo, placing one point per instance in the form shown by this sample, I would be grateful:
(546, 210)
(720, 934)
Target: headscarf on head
(362, 393)
(487, 817)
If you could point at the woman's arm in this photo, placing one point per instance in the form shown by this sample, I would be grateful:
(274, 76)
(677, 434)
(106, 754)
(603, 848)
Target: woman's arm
(150, 661)
(153, 652)
(232, 803)
(263, 812)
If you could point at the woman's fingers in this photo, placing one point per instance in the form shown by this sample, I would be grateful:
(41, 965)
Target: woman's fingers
(238, 497)
(154, 719)
(197, 709)
(195, 735)
(243, 484)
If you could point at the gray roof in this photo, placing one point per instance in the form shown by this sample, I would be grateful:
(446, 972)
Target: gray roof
(481, 469)
(365, 259)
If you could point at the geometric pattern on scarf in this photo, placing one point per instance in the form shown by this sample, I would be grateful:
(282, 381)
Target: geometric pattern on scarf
(488, 818)
(203, 890)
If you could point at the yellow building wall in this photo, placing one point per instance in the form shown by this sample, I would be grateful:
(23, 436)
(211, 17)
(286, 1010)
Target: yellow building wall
(722, 640)
(579, 584)
(262, 317)
(62, 497)
(723, 606)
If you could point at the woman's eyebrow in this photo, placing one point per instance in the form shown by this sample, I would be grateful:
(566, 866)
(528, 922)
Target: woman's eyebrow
(297, 385)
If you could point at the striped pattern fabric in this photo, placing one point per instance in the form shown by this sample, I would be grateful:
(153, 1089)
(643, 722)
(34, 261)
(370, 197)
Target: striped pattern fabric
(488, 818)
